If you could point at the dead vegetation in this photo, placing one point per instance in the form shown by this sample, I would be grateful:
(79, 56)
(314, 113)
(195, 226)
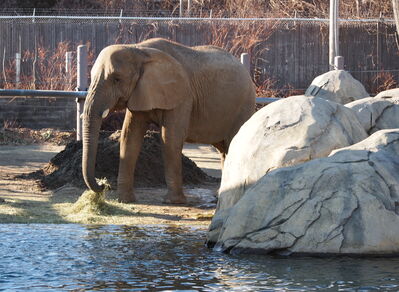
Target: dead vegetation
(380, 82)
(226, 8)
(44, 69)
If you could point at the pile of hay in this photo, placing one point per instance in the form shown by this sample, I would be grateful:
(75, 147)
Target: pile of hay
(65, 167)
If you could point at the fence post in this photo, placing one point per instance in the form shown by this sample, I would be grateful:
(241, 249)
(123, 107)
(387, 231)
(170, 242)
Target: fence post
(181, 8)
(245, 61)
(334, 32)
(68, 67)
(395, 6)
(339, 63)
(82, 84)
(189, 8)
(17, 68)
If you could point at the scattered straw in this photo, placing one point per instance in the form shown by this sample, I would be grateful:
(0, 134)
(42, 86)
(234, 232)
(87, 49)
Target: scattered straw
(92, 203)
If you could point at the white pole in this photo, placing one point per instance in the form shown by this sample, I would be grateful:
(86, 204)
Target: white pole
(17, 68)
(395, 6)
(68, 65)
(245, 61)
(188, 7)
(181, 8)
(334, 33)
(336, 38)
(82, 84)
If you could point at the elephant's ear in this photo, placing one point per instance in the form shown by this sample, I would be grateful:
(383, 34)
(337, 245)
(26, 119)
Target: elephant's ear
(163, 83)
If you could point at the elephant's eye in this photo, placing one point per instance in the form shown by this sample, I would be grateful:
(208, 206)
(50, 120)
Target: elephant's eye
(117, 80)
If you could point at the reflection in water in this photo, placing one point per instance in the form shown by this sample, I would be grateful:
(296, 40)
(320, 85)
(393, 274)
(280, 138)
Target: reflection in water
(75, 257)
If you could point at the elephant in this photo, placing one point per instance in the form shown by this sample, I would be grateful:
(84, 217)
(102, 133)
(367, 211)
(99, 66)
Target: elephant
(197, 94)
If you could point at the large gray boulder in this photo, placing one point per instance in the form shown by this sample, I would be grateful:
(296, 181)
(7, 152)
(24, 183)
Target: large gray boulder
(285, 133)
(347, 203)
(377, 113)
(338, 86)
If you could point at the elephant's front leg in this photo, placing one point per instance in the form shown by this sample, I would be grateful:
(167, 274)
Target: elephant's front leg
(133, 131)
(173, 137)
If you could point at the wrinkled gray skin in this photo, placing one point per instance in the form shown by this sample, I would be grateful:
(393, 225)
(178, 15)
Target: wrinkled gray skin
(200, 94)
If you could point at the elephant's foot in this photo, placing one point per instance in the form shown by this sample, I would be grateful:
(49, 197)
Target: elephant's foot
(175, 198)
(126, 198)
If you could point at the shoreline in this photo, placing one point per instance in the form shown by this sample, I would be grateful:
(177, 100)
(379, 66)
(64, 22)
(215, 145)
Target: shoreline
(26, 203)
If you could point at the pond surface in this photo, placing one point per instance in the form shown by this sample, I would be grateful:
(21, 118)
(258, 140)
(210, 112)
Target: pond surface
(42, 257)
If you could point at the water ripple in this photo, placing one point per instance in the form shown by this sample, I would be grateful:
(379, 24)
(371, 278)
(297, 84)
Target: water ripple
(164, 258)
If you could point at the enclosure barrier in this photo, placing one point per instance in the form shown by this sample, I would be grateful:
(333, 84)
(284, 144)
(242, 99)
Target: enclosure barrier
(80, 97)
(82, 86)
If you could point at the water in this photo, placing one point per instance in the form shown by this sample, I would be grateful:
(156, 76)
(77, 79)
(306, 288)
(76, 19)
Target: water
(69, 257)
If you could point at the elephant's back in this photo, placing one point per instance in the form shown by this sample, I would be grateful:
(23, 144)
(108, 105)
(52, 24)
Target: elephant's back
(225, 97)
(223, 91)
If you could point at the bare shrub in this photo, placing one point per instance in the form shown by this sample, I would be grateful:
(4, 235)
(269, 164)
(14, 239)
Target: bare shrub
(47, 69)
(380, 82)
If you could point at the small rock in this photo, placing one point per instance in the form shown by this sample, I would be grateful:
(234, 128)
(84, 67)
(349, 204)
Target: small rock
(338, 86)
(2, 200)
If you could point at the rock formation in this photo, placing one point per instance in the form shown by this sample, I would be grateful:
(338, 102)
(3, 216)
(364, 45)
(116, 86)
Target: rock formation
(377, 113)
(347, 203)
(338, 86)
(285, 133)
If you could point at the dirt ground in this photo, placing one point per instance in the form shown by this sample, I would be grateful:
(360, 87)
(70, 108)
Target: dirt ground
(23, 201)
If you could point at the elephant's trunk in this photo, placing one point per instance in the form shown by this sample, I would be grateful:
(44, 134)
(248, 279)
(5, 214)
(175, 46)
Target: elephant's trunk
(91, 130)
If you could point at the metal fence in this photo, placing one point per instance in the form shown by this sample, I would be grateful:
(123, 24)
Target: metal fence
(287, 53)
(82, 85)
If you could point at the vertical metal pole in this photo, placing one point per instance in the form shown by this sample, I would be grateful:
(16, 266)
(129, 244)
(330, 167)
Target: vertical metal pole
(181, 8)
(339, 63)
(17, 68)
(188, 8)
(395, 6)
(246, 61)
(120, 16)
(4, 61)
(82, 84)
(334, 34)
(68, 67)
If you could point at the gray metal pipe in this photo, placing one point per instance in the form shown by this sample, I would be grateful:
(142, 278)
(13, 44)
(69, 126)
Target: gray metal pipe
(267, 99)
(42, 93)
(82, 94)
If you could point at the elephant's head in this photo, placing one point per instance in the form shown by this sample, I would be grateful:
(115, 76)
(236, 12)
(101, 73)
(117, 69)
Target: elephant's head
(123, 76)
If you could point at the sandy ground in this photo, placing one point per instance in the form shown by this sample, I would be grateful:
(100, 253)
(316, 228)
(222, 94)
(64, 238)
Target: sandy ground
(25, 202)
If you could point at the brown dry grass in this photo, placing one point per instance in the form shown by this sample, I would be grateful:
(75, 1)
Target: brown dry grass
(235, 8)
(380, 82)
(46, 69)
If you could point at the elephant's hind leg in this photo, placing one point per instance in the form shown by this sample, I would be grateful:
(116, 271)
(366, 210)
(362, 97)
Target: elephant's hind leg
(221, 147)
(133, 131)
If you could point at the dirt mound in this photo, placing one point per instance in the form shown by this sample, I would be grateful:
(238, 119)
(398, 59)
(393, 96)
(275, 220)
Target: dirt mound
(65, 167)
(25, 136)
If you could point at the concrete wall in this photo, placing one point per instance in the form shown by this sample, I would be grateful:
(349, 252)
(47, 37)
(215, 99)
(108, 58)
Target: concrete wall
(38, 113)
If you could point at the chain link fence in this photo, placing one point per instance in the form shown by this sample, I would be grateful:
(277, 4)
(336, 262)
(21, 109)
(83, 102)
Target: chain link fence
(286, 53)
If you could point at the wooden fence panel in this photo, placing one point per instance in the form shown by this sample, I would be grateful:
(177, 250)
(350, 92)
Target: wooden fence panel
(294, 53)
